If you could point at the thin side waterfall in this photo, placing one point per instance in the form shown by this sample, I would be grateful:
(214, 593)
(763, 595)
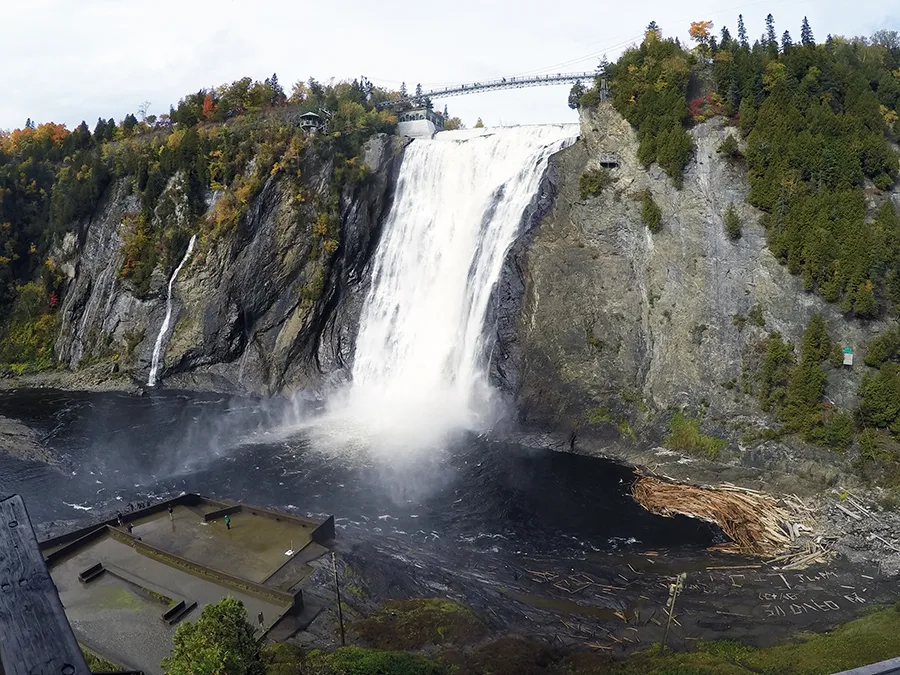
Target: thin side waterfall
(421, 363)
(157, 348)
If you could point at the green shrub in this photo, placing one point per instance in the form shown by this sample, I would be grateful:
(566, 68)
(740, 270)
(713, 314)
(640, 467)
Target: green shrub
(730, 148)
(755, 316)
(28, 336)
(833, 429)
(650, 212)
(417, 623)
(774, 373)
(359, 661)
(592, 182)
(283, 658)
(880, 394)
(884, 348)
(732, 223)
(685, 436)
(220, 641)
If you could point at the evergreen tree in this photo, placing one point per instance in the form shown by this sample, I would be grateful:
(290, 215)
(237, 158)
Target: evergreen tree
(604, 64)
(81, 137)
(816, 343)
(806, 34)
(403, 91)
(418, 91)
(732, 222)
(742, 31)
(726, 37)
(575, 94)
(100, 130)
(786, 42)
(770, 30)
(479, 124)
(653, 31)
(29, 124)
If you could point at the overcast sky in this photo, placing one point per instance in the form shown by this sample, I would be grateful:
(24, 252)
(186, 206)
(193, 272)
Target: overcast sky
(68, 60)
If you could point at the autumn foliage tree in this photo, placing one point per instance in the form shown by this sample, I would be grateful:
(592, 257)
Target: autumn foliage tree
(209, 106)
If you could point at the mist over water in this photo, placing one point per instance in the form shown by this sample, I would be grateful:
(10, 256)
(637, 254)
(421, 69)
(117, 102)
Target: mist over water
(420, 369)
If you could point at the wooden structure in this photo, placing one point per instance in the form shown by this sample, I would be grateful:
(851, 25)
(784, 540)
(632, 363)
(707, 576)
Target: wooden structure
(35, 635)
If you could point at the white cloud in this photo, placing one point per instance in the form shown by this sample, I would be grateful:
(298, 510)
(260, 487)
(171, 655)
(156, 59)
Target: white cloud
(67, 61)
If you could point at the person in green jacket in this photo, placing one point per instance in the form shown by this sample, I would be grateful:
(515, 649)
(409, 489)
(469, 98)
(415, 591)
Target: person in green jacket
(227, 522)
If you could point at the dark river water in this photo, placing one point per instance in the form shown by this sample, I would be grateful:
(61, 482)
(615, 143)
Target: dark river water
(477, 495)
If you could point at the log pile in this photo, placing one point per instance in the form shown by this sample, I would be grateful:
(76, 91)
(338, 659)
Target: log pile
(756, 523)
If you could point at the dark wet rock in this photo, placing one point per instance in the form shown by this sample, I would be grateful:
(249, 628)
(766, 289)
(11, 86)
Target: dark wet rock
(256, 310)
(22, 442)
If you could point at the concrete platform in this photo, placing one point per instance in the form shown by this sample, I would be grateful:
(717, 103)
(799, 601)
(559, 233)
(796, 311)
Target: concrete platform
(129, 581)
(253, 548)
(124, 622)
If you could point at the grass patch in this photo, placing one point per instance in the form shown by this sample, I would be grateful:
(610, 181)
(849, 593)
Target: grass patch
(360, 661)
(413, 624)
(866, 640)
(592, 182)
(97, 663)
(685, 436)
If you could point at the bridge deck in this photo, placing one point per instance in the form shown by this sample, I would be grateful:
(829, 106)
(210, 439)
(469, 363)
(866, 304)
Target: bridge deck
(503, 83)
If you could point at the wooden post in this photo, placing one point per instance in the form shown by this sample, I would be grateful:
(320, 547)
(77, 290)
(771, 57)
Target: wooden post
(337, 592)
(35, 635)
(674, 590)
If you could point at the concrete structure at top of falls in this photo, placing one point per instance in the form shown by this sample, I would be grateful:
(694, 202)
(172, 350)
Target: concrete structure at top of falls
(157, 347)
(422, 349)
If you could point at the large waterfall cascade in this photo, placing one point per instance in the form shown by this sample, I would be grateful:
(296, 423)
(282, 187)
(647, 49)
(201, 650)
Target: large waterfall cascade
(157, 347)
(422, 352)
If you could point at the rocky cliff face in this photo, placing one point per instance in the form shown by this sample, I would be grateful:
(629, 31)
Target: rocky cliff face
(255, 310)
(620, 326)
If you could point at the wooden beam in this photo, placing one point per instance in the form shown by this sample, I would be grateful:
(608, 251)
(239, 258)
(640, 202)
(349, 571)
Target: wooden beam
(35, 635)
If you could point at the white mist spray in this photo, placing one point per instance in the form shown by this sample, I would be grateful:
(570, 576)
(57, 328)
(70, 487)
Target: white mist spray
(157, 348)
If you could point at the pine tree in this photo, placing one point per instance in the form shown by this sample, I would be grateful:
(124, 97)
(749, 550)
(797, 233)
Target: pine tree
(419, 91)
(806, 34)
(604, 64)
(652, 31)
(100, 130)
(770, 31)
(403, 91)
(479, 124)
(726, 37)
(732, 222)
(742, 31)
(786, 42)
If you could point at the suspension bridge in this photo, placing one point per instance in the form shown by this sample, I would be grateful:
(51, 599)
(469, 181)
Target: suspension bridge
(493, 85)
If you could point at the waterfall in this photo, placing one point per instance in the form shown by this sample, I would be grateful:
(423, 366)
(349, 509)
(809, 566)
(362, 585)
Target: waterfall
(421, 364)
(157, 348)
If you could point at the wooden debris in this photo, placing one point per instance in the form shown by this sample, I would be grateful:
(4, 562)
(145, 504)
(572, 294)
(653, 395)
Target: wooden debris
(735, 567)
(848, 512)
(597, 645)
(755, 522)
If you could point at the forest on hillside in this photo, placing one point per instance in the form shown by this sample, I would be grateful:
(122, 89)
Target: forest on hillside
(230, 138)
(819, 122)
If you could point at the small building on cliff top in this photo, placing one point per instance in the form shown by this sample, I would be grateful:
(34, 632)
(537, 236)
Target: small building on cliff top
(419, 123)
